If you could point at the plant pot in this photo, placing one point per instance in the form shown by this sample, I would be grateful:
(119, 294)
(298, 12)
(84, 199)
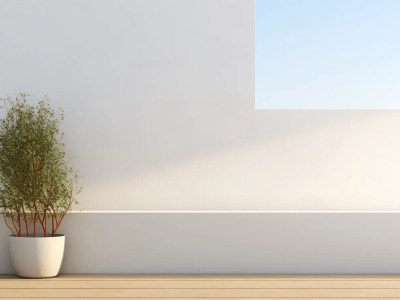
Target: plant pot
(37, 257)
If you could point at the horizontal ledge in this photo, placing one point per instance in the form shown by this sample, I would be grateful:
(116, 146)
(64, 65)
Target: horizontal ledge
(233, 212)
(236, 211)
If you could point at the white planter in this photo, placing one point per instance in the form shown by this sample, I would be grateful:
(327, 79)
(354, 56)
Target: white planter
(37, 257)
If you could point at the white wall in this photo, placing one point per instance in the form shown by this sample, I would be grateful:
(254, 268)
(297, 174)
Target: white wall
(159, 102)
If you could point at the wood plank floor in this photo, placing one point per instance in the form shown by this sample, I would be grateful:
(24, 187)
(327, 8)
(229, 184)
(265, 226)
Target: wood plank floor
(201, 287)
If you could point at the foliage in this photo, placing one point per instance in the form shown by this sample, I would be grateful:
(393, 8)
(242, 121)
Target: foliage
(37, 183)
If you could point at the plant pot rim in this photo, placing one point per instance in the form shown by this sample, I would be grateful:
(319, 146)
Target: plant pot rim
(37, 237)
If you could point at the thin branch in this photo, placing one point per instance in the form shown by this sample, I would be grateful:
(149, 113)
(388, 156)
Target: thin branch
(71, 198)
(9, 227)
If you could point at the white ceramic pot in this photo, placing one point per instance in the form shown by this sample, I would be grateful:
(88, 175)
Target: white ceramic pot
(37, 257)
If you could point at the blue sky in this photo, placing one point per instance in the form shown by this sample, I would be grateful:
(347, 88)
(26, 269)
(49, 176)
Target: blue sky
(328, 54)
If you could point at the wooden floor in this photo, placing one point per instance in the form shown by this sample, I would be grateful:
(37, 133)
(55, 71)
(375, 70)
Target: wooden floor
(201, 287)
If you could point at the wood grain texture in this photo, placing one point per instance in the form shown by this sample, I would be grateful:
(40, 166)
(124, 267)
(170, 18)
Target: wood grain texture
(201, 287)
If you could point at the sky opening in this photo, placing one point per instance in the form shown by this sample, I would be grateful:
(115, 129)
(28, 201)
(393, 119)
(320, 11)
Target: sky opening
(328, 54)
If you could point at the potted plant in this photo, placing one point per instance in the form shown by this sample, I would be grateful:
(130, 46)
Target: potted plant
(37, 185)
